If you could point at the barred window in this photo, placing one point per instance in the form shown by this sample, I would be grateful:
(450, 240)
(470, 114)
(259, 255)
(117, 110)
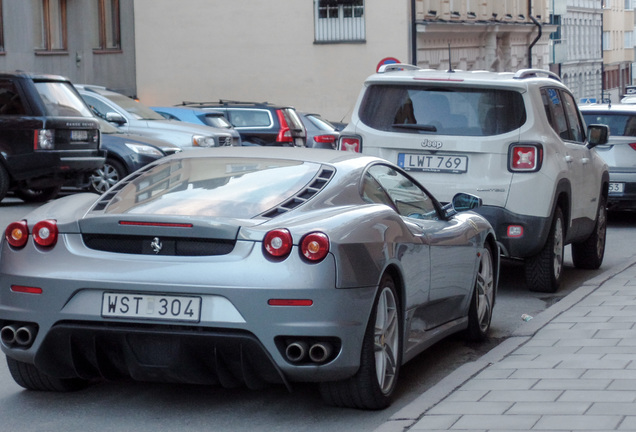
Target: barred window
(339, 21)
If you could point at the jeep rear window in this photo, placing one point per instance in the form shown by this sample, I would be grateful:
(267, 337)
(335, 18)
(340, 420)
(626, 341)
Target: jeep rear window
(60, 100)
(442, 111)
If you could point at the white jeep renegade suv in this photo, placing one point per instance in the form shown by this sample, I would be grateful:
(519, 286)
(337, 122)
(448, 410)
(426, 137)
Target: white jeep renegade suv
(517, 140)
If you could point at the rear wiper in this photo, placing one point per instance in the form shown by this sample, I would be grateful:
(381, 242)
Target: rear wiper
(417, 127)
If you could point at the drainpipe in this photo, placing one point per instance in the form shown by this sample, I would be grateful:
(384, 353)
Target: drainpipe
(413, 34)
(538, 24)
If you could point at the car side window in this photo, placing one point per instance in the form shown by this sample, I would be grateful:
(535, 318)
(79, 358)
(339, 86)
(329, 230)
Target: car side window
(562, 114)
(10, 100)
(97, 106)
(577, 132)
(404, 195)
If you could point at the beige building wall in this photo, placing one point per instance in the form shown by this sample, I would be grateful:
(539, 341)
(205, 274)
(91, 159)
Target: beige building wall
(618, 30)
(205, 50)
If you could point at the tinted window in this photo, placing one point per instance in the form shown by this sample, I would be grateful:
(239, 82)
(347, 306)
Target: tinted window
(442, 111)
(249, 118)
(10, 100)
(383, 184)
(225, 187)
(60, 99)
(562, 114)
(620, 124)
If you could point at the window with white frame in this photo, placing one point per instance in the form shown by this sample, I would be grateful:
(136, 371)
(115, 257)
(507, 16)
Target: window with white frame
(629, 5)
(629, 40)
(339, 21)
(607, 43)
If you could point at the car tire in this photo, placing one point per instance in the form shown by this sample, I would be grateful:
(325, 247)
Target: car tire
(589, 253)
(4, 182)
(544, 270)
(38, 195)
(105, 177)
(483, 298)
(372, 386)
(28, 376)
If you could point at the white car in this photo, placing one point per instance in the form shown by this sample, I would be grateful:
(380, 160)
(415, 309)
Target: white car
(620, 151)
(132, 116)
(517, 140)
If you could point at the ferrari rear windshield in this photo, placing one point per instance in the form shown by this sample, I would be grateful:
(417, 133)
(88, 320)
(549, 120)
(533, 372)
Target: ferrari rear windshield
(226, 187)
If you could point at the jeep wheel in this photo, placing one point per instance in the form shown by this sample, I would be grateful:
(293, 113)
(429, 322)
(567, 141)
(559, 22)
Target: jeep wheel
(543, 271)
(4, 182)
(38, 195)
(589, 254)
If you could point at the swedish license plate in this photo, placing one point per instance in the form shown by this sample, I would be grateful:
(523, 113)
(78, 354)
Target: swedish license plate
(454, 164)
(616, 187)
(144, 306)
(79, 135)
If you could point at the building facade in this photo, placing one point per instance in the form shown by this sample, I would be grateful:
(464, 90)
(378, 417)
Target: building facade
(86, 41)
(618, 47)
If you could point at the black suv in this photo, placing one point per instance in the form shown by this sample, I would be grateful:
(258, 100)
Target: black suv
(261, 123)
(48, 135)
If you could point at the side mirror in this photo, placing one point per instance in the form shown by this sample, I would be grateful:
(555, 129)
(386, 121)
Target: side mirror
(114, 117)
(462, 202)
(597, 134)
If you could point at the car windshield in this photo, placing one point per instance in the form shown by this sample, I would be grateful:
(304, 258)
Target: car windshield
(620, 124)
(61, 100)
(218, 121)
(137, 109)
(226, 187)
(442, 111)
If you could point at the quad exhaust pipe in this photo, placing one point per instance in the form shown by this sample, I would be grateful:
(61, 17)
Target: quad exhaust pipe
(18, 335)
(300, 351)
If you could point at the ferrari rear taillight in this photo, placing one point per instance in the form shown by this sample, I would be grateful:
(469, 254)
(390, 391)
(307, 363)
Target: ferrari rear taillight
(45, 233)
(284, 134)
(315, 246)
(17, 234)
(353, 144)
(278, 243)
(525, 157)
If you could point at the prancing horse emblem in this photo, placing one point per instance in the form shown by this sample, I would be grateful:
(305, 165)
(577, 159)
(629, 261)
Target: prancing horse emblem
(156, 245)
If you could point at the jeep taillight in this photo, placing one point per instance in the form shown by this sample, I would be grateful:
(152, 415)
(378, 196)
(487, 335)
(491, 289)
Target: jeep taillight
(44, 139)
(633, 146)
(284, 134)
(353, 144)
(525, 157)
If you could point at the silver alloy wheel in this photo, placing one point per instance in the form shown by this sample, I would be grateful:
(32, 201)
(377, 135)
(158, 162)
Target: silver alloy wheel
(386, 340)
(104, 178)
(557, 264)
(485, 290)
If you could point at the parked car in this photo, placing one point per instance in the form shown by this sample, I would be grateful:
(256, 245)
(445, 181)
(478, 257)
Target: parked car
(245, 266)
(125, 153)
(199, 116)
(516, 139)
(260, 123)
(48, 136)
(134, 117)
(620, 151)
(320, 132)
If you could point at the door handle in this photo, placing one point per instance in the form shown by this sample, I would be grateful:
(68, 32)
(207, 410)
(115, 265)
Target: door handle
(585, 161)
(569, 159)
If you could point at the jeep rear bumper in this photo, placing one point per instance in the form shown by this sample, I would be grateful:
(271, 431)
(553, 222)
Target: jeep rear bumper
(534, 231)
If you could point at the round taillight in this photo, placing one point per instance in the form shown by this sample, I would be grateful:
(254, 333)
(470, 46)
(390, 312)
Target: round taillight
(45, 233)
(17, 234)
(278, 243)
(315, 246)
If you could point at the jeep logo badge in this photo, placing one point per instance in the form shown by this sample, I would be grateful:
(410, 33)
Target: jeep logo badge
(432, 144)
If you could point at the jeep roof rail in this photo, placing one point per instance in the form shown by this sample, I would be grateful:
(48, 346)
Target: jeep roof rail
(391, 67)
(533, 73)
